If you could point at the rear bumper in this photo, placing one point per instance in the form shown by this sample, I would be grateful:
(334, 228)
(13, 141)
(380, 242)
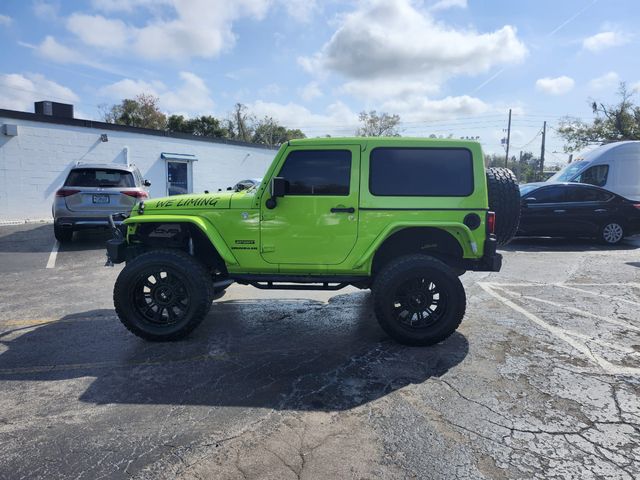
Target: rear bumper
(491, 261)
(77, 223)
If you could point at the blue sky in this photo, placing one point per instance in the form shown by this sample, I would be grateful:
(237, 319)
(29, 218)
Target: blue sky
(445, 66)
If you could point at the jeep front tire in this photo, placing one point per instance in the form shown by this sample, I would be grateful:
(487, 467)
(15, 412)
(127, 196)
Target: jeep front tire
(162, 295)
(418, 300)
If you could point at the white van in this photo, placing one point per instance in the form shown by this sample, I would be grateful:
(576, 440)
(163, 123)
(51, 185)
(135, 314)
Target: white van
(615, 166)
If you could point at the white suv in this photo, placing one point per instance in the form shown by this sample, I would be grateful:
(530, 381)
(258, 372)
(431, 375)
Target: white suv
(91, 193)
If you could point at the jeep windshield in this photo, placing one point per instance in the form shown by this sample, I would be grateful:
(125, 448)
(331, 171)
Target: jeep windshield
(96, 177)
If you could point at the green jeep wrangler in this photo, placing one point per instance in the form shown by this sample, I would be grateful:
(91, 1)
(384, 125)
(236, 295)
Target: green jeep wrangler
(403, 217)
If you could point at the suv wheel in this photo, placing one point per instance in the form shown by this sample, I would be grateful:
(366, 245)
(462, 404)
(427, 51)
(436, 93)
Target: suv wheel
(63, 235)
(163, 295)
(504, 200)
(611, 233)
(418, 300)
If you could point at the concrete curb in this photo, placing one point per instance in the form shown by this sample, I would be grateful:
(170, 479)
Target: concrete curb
(5, 223)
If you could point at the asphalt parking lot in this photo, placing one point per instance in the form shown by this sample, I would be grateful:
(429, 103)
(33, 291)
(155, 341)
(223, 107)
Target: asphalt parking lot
(542, 380)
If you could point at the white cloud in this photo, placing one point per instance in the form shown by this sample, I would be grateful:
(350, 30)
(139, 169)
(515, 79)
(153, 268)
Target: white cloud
(635, 87)
(300, 10)
(396, 42)
(176, 29)
(97, 31)
(425, 109)
(19, 91)
(446, 4)
(310, 91)
(555, 86)
(603, 40)
(191, 97)
(5, 20)
(337, 120)
(51, 49)
(45, 10)
(606, 81)
(126, 5)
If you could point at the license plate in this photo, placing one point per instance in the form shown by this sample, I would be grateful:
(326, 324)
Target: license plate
(101, 199)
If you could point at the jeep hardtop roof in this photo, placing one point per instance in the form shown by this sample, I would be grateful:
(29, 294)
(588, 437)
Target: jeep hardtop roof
(384, 141)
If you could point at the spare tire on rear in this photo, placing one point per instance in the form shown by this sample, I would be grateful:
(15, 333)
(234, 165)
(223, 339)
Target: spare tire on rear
(504, 200)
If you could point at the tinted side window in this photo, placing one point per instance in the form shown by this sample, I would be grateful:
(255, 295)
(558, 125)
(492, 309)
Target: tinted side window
(548, 195)
(317, 172)
(421, 172)
(596, 175)
(578, 194)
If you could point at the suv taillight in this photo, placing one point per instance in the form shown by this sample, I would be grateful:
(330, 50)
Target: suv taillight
(637, 205)
(491, 222)
(65, 192)
(136, 193)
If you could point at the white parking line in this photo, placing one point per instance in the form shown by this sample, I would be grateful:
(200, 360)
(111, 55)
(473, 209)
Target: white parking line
(51, 263)
(562, 285)
(605, 365)
(583, 313)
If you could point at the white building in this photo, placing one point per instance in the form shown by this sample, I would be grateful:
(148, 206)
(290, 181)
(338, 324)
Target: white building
(37, 151)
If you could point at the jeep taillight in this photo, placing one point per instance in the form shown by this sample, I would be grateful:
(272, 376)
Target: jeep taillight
(491, 222)
(136, 193)
(65, 192)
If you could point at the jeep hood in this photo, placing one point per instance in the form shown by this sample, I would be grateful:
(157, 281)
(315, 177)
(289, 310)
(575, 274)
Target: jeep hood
(199, 201)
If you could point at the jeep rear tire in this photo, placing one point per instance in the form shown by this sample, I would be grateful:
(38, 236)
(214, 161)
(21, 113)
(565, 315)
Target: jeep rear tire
(504, 200)
(162, 295)
(418, 300)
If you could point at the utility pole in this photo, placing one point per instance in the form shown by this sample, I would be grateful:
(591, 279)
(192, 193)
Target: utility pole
(544, 136)
(506, 160)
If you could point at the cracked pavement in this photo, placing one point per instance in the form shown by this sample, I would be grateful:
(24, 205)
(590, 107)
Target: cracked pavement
(542, 380)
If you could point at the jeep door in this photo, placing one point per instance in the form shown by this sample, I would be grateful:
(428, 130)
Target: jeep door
(316, 221)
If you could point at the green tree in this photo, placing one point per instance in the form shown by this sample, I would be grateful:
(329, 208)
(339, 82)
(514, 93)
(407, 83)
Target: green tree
(142, 111)
(374, 125)
(202, 126)
(268, 132)
(612, 123)
(526, 168)
(240, 124)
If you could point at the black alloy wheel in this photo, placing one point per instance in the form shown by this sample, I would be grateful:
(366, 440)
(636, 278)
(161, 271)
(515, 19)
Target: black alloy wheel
(162, 295)
(419, 303)
(418, 300)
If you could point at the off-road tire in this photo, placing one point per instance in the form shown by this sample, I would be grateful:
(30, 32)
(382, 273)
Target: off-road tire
(612, 233)
(63, 235)
(193, 278)
(504, 200)
(403, 270)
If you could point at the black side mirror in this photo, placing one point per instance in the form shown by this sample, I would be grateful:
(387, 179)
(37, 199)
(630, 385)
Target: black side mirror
(278, 189)
(528, 200)
(146, 183)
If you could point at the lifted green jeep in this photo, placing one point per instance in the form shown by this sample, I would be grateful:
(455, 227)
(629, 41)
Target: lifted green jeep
(403, 217)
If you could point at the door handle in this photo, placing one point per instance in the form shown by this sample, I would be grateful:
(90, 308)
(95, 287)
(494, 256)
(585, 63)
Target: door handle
(601, 210)
(559, 211)
(343, 210)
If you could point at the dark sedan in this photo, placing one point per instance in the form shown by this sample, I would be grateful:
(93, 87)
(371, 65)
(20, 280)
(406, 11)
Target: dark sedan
(577, 210)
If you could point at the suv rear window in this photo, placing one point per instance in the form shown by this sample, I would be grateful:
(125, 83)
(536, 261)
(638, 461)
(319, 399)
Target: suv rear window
(95, 177)
(421, 172)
